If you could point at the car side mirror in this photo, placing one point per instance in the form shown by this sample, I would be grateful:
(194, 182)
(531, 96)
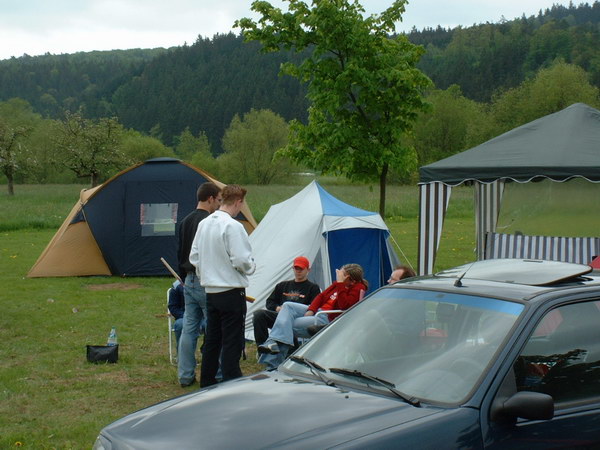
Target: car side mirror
(526, 405)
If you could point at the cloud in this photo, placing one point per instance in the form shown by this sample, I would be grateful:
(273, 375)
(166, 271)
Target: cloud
(67, 26)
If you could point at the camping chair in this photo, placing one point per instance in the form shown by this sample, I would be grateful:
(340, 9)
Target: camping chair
(172, 357)
(314, 329)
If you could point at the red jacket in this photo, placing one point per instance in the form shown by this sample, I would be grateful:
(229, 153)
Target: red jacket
(337, 296)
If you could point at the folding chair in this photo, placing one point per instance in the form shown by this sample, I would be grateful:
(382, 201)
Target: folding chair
(318, 327)
(172, 357)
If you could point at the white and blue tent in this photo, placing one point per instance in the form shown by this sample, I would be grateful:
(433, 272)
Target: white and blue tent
(329, 232)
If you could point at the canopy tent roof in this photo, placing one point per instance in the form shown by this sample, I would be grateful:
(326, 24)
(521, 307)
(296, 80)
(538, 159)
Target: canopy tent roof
(558, 146)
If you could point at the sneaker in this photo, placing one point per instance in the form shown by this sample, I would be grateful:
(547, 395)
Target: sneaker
(188, 383)
(269, 347)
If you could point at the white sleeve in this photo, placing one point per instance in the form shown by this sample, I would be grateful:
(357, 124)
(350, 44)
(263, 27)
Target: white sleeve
(239, 249)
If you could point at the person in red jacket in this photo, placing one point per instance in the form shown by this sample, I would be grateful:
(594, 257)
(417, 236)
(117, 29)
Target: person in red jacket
(295, 318)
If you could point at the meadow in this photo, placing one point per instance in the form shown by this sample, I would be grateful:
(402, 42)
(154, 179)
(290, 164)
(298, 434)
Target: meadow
(50, 396)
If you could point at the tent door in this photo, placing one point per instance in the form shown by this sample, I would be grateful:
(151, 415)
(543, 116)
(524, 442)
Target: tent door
(355, 245)
(151, 224)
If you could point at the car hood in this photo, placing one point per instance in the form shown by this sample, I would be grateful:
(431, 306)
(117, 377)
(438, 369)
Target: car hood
(269, 409)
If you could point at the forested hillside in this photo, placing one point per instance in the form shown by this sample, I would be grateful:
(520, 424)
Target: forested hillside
(52, 83)
(484, 58)
(162, 92)
(203, 86)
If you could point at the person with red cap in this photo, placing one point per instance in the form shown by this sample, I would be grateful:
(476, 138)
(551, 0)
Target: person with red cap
(299, 290)
(294, 319)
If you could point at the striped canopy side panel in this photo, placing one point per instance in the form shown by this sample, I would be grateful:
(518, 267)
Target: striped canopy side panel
(581, 250)
(488, 197)
(433, 203)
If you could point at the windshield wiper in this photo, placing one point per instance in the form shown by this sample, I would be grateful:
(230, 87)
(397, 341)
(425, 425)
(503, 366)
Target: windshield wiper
(314, 367)
(380, 381)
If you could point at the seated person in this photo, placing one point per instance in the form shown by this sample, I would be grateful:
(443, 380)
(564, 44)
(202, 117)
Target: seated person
(400, 273)
(176, 307)
(294, 318)
(299, 290)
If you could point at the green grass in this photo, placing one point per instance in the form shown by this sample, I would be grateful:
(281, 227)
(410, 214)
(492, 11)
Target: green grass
(37, 207)
(50, 397)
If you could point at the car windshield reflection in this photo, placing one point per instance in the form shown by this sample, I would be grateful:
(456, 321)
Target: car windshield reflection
(429, 345)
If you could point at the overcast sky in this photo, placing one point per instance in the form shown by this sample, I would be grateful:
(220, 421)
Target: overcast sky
(36, 27)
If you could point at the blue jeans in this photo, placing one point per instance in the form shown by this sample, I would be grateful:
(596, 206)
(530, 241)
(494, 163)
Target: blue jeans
(291, 322)
(194, 320)
(177, 327)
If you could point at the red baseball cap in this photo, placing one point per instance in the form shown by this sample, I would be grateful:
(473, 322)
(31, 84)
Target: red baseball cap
(301, 261)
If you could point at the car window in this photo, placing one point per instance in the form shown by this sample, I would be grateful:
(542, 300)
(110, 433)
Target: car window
(562, 356)
(430, 345)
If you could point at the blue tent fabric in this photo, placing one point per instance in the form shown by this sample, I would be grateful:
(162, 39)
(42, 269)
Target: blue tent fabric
(113, 215)
(334, 207)
(364, 241)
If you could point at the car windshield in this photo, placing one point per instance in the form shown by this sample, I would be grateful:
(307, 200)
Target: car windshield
(428, 345)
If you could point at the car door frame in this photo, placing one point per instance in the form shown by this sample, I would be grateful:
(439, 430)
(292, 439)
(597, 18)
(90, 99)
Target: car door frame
(535, 433)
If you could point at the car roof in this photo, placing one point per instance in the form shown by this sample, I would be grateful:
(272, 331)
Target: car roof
(532, 272)
(511, 279)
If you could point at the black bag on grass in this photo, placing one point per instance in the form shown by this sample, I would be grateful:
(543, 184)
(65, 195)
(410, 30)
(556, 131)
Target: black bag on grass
(102, 353)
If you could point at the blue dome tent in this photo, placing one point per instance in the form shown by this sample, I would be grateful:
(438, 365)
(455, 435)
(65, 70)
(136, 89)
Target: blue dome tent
(124, 226)
(329, 232)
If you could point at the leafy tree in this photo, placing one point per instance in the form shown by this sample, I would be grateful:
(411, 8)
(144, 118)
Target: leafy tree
(139, 148)
(10, 150)
(187, 145)
(16, 122)
(549, 42)
(551, 90)
(250, 145)
(363, 84)
(560, 86)
(196, 150)
(454, 124)
(42, 167)
(90, 148)
(206, 161)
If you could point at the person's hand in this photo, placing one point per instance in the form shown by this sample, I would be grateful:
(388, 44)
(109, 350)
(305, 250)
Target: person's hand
(309, 313)
(277, 309)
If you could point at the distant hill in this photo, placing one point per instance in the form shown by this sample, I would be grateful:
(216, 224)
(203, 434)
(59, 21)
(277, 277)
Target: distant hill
(202, 86)
(485, 58)
(51, 83)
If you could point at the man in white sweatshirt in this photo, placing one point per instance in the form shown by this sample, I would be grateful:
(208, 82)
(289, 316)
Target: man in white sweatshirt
(222, 256)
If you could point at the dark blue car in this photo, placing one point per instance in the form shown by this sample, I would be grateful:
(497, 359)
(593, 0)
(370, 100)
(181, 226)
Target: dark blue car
(496, 354)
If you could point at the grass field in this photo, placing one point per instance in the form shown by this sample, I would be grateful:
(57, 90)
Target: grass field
(50, 397)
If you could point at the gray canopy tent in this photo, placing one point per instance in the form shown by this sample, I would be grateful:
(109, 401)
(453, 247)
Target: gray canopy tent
(559, 147)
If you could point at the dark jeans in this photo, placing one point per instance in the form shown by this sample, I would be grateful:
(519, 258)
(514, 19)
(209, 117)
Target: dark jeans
(224, 332)
(262, 320)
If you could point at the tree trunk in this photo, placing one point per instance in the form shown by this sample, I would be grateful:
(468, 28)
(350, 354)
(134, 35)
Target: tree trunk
(11, 186)
(94, 179)
(382, 184)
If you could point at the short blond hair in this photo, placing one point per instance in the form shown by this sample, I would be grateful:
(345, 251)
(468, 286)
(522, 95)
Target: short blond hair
(233, 192)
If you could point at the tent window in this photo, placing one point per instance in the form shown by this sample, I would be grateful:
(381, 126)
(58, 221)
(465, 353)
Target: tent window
(549, 208)
(158, 219)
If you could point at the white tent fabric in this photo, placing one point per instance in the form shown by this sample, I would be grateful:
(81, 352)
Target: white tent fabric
(301, 226)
